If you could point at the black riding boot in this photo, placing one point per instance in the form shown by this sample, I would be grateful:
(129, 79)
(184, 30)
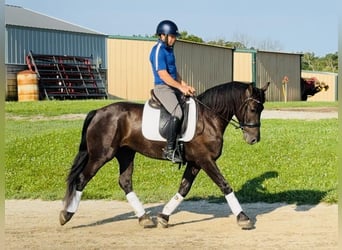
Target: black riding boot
(170, 151)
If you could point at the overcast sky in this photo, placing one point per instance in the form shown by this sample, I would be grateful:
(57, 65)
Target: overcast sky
(291, 25)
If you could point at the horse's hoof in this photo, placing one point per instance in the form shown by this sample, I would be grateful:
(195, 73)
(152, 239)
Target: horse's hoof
(163, 220)
(64, 217)
(244, 222)
(146, 221)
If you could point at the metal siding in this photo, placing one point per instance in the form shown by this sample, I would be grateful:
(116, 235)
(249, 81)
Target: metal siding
(21, 40)
(130, 75)
(18, 16)
(204, 66)
(272, 67)
(328, 78)
(129, 70)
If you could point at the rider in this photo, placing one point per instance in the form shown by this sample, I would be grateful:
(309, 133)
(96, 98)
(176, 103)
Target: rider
(168, 84)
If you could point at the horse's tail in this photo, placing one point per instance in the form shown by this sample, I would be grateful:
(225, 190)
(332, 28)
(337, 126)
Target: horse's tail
(80, 160)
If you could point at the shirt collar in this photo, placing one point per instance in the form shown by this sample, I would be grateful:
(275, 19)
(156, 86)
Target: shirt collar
(164, 45)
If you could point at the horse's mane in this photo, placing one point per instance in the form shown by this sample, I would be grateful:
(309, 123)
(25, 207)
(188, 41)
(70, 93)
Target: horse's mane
(224, 98)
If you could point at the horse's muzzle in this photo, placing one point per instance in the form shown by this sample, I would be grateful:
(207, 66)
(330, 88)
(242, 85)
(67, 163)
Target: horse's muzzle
(251, 138)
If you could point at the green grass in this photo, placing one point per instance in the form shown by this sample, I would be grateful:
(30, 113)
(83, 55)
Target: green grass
(283, 105)
(295, 162)
(53, 108)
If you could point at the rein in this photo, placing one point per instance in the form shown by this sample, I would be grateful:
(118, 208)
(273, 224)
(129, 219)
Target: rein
(236, 124)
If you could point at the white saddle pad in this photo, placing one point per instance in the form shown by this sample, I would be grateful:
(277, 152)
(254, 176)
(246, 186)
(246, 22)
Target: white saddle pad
(150, 123)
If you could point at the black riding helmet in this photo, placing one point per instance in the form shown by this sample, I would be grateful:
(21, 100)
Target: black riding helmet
(167, 27)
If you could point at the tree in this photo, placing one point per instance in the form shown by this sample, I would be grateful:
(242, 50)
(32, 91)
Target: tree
(185, 36)
(270, 45)
(327, 63)
(330, 62)
(244, 39)
(228, 44)
(310, 61)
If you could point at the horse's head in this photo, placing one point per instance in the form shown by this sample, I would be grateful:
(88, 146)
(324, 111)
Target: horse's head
(250, 111)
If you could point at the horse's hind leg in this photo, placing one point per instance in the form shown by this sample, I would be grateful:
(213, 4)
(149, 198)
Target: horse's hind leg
(76, 184)
(188, 178)
(125, 157)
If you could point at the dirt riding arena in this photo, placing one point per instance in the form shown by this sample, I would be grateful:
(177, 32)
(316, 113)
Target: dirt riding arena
(34, 224)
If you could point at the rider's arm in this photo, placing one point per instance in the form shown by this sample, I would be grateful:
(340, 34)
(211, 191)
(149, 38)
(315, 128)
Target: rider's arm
(181, 85)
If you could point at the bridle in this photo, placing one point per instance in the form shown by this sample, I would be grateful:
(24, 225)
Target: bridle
(235, 123)
(244, 124)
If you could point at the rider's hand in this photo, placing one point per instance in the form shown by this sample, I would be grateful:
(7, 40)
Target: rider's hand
(186, 89)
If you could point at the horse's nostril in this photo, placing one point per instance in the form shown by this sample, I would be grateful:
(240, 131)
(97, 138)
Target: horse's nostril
(254, 141)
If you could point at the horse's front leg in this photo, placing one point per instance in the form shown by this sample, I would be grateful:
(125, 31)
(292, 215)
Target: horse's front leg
(125, 157)
(214, 173)
(188, 178)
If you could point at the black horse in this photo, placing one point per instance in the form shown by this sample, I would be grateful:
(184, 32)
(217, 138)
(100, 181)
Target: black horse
(115, 131)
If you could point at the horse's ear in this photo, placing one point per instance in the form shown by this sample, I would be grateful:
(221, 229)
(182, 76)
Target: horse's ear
(249, 90)
(265, 87)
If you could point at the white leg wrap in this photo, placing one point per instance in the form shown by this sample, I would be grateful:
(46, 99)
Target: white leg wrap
(134, 201)
(72, 208)
(173, 204)
(233, 203)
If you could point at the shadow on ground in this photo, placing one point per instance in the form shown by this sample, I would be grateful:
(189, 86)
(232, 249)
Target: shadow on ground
(250, 195)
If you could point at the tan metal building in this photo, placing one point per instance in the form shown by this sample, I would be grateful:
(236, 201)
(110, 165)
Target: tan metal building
(273, 67)
(328, 78)
(265, 66)
(203, 66)
(129, 74)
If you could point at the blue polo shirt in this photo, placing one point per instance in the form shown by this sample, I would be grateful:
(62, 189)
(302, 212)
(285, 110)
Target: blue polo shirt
(162, 57)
